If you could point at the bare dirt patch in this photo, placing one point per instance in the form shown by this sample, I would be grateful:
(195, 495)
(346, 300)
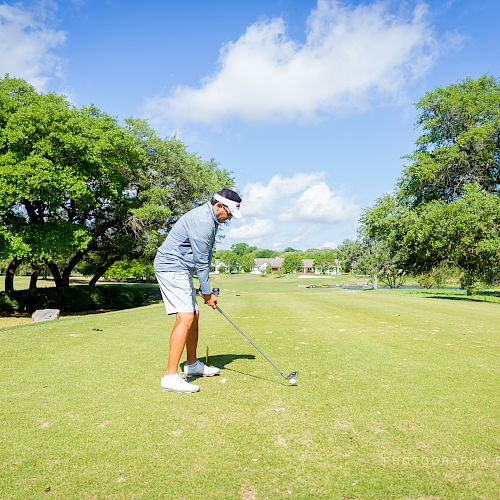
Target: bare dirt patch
(247, 492)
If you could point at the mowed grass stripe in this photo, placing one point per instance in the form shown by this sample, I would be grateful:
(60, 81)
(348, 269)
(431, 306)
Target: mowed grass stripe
(82, 413)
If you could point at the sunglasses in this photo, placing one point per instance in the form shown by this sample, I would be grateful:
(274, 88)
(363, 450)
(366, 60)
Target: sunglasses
(228, 211)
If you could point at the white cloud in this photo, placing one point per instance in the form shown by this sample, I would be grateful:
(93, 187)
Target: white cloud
(328, 245)
(252, 231)
(259, 199)
(351, 55)
(27, 44)
(299, 209)
(319, 203)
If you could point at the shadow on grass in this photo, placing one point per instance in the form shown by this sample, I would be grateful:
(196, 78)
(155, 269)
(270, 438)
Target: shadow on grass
(151, 292)
(222, 360)
(266, 379)
(477, 297)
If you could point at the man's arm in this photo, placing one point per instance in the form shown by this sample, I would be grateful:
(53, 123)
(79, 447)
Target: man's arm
(201, 241)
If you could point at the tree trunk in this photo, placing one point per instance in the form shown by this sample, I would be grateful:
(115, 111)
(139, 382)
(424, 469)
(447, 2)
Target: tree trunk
(102, 269)
(11, 272)
(62, 279)
(35, 271)
(375, 281)
(71, 265)
(55, 272)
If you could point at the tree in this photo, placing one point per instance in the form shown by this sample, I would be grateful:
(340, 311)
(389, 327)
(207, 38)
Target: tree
(265, 253)
(12, 251)
(139, 269)
(326, 261)
(292, 262)
(242, 248)
(348, 252)
(382, 263)
(63, 175)
(229, 258)
(75, 185)
(460, 142)
(436, 276)
(314, 253)
(465, 233)
(445, 211)
(246, 262)
(171, 182)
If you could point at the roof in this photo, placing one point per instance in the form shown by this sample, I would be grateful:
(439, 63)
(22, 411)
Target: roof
(308, 262)
(274, 261)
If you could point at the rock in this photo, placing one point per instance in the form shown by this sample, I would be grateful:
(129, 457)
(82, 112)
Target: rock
(45, 315)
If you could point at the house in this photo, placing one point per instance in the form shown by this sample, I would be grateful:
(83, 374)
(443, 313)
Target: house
(221, 267)
(307, 266)
(328, 269)
(261, 265)
(216, 268)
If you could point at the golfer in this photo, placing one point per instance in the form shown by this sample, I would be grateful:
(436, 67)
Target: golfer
(186, 251)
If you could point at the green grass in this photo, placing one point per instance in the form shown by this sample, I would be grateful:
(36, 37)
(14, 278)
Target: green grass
(397, 396)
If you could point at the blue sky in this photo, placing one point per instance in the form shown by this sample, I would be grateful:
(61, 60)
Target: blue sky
(310, 104)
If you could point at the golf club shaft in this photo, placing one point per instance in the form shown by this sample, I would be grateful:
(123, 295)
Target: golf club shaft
(249, 340)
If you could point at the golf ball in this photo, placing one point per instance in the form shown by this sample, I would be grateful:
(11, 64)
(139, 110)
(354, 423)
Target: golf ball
(292, 381)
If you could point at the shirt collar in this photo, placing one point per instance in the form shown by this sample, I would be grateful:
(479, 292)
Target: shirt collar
(213, 214)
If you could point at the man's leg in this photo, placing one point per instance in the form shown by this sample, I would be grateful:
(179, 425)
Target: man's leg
(194, 366)
(183, 324)
(192, 340)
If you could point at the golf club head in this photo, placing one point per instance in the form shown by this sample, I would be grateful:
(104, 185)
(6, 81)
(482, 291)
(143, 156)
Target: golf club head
(292, 378)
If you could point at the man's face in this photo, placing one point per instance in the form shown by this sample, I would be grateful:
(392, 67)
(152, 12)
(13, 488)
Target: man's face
(222, 212)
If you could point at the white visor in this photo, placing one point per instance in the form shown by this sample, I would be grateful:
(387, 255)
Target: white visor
(234, 206)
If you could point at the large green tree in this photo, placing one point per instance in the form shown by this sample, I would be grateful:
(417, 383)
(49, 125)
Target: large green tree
(445, 210)
(464, 233)
(64, 174)
(459, 144)
(75, 184)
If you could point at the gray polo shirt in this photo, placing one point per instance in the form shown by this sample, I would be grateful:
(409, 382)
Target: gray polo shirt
(188, 246)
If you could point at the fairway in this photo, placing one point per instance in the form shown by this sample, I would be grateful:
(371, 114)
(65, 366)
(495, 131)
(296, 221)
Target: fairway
(397, 396)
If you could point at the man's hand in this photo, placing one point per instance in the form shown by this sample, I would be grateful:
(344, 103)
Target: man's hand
(210, 300)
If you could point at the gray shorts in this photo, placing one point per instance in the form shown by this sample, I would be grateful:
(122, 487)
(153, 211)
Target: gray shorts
(177, 291)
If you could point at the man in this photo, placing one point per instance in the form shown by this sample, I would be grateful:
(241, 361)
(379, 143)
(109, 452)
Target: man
(188, 250)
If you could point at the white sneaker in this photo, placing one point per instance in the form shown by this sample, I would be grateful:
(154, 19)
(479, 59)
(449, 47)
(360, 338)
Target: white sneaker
(174, 383)
(199, 368)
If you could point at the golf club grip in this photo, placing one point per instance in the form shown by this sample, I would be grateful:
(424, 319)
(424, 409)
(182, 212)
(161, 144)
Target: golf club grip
(248, 339)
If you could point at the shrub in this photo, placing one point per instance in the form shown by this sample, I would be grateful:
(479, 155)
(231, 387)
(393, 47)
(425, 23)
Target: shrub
(436, 277)
(8, 302)
(131, 269)
(71, 299)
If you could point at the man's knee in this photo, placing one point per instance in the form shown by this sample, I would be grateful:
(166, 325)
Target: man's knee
(186, 318)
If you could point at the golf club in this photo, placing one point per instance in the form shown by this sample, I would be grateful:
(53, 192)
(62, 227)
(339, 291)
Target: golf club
(292, 377)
